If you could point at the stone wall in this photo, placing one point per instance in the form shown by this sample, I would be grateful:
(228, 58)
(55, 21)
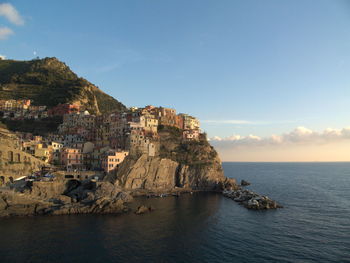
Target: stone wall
(14, 162)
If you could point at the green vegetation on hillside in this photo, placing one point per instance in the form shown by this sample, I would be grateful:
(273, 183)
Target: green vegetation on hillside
(50, 82)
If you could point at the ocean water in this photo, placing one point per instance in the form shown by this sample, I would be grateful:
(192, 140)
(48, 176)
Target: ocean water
(313, 226)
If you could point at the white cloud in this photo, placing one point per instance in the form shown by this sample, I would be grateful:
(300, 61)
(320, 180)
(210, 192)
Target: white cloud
(9, 11)
(299, 135)
(2, 57)
(227, 121)
(215, 138)
(5, 32)
(245, 122)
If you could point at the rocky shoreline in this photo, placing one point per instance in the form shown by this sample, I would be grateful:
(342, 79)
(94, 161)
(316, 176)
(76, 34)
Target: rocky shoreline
(33, 203)
(64, 197)
(77, 197)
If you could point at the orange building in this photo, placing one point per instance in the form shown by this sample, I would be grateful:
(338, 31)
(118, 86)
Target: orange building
(112, 159)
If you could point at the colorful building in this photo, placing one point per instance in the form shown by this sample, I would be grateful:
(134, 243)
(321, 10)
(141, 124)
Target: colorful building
(189, 122)
(72, 159)
(112, 159)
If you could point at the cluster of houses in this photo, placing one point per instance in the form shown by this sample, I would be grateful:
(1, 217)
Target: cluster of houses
(21, 109)
(89, 142)
(24, 109)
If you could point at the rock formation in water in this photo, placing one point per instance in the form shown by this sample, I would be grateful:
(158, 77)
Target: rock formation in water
(251, 200)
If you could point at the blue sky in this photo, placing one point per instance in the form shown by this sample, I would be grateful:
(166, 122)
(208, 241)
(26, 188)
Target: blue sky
(272, 65)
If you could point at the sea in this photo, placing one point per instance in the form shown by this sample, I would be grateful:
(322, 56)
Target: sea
(313, 226)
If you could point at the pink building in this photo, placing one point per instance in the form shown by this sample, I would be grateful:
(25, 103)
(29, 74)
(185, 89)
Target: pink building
(112, 159)
(72, 159)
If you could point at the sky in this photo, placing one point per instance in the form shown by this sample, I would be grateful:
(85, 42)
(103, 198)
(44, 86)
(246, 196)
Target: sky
(254, 72)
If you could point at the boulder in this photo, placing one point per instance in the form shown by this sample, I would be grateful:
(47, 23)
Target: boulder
(252, 204)
(3, 204)
(48, 189)
(107, 189)
(65, 199)
(72, 185)
(124, 196)
(143, 209)
(244, 183)
(229, 183)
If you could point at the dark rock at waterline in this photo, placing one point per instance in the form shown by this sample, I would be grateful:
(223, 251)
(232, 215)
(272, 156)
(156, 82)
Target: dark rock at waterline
(143, 209)
(14, 204)
(244, 183)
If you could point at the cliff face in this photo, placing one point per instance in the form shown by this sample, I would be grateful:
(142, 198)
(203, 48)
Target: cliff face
(161, 174)
(190, 165)
(50, 82)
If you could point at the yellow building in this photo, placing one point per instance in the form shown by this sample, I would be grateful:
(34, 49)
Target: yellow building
(190, 123)
(150, 123)
(42, 153)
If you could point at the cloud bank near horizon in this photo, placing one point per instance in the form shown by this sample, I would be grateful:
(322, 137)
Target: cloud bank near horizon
(301, 144)
(298, 135)
(227, 121)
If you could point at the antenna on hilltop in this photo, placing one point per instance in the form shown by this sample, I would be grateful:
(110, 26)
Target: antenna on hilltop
(35, 54)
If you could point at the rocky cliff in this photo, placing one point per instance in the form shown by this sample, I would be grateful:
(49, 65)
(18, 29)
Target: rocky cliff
(191, 165)
(162, 174)
(49, 82)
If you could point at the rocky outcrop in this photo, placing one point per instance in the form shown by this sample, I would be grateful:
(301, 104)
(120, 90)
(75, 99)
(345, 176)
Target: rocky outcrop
(64, 197)
(244, 183)
(180, 165)
(147, 173)
(162, 174)
(143, 209)
(47, 190)
(251, 200)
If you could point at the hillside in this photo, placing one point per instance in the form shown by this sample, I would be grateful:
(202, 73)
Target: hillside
(49, 82)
